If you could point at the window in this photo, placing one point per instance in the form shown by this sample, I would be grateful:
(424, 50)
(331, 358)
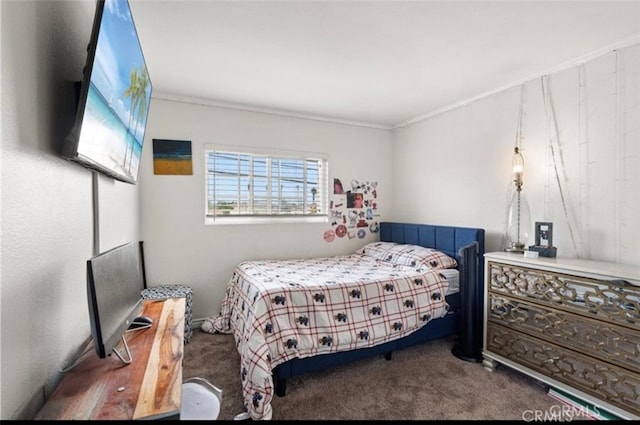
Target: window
(262, 187)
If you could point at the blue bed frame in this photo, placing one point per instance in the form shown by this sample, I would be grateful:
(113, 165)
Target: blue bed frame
(464, 319)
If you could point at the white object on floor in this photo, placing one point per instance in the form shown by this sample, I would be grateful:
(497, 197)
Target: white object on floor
(242, 416)
(200, 400)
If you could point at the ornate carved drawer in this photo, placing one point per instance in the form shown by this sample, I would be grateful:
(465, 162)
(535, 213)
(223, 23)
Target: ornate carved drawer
(572, 324)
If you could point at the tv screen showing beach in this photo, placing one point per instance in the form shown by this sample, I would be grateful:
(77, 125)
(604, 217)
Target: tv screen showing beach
(117, 103)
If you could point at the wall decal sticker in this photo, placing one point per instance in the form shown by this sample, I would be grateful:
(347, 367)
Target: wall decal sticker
(353, 209)
(329, 235)
(337, 187)
(355, 200)
(353, 217)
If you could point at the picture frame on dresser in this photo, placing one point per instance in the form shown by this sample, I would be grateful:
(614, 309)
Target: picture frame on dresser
(544, 234)
(544, 240)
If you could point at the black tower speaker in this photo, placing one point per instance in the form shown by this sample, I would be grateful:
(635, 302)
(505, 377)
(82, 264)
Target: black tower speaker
(468, 347)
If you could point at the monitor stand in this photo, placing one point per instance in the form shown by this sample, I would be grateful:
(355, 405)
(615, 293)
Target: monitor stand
(124, 360)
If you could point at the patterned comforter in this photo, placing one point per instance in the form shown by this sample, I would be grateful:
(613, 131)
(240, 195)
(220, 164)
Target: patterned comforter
(283, 309)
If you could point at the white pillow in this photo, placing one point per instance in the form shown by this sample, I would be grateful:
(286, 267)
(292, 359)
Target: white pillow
(408, 255)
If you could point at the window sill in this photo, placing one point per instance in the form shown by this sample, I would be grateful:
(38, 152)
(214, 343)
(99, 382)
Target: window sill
(222, 221)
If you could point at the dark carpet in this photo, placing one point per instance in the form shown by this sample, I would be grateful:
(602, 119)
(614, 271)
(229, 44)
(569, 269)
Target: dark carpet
(424, 382)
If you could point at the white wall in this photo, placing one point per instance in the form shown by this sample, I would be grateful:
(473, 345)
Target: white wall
(180, 248)
(455, 167)
(46, 212)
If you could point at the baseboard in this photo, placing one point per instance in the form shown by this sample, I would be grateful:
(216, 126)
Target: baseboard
(196, 323)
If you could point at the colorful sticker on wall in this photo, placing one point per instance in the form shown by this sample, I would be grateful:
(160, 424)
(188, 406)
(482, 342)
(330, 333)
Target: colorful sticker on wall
(329, 235)
(338, 189)
(353, 212)
(355, 200)
(172, 157)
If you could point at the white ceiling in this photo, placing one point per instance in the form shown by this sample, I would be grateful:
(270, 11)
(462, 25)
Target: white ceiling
(384, 63)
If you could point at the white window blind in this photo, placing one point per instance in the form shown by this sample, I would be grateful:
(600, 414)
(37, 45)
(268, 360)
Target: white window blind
(242, 184)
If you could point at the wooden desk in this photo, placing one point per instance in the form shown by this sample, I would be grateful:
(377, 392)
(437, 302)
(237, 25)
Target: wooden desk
(150, 387)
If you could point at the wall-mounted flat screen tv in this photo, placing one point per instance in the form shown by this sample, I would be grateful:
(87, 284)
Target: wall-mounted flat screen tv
(114, 97)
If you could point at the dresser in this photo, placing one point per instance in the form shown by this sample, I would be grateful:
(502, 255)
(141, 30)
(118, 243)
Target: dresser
(572, 324)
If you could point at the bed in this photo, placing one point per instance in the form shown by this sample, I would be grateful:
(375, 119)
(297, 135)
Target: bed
(291, 317)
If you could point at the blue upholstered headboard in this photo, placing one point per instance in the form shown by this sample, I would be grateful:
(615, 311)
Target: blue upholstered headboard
(448, 239)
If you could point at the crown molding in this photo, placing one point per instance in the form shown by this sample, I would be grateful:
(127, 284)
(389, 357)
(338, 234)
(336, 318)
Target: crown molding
(247, 108)
(621, 44)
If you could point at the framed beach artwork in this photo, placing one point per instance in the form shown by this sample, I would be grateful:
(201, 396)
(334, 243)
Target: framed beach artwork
(172, 157)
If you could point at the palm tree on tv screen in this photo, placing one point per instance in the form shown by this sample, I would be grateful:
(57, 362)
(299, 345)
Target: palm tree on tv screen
(137, 91)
